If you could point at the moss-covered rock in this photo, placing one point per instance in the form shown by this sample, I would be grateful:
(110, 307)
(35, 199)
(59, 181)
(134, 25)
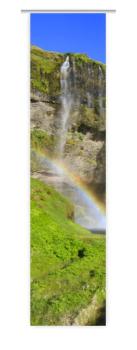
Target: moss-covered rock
(84, 74)
(45, 71)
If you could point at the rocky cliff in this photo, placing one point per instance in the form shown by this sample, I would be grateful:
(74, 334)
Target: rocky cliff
(84, 151)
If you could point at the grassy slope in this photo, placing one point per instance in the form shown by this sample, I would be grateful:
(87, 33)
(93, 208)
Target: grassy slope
(67, 262)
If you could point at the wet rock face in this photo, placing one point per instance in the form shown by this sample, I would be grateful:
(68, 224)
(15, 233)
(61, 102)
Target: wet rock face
(84, 151)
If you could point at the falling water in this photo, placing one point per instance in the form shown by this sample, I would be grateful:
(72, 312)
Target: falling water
(66, 102)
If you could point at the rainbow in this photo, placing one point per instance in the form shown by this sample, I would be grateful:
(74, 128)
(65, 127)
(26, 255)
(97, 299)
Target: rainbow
(86, 193)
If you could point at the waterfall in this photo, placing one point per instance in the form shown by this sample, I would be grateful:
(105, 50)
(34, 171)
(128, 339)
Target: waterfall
(66, 102)
(87, 213)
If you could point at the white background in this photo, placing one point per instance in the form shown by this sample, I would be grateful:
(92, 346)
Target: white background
(120, 332)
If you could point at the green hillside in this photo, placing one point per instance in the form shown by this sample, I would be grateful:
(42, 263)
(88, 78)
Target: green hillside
(67, 262)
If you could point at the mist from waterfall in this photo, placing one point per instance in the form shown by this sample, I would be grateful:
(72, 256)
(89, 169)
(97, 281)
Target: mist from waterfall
(86, 212)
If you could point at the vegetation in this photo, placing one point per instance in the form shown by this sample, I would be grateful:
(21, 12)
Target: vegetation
(45, 71)
(67, 261)
(81, 58)
(90, 119)
(40, 140)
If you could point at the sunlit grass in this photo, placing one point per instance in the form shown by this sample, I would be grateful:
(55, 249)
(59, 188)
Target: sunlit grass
(67, 261)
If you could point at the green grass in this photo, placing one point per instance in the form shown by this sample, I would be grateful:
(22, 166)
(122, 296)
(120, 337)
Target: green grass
(67, 262)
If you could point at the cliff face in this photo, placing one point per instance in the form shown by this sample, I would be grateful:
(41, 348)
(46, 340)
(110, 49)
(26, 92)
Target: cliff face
(84, 150)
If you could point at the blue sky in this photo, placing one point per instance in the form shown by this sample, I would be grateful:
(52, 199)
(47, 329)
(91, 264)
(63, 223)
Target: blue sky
(70, 32)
